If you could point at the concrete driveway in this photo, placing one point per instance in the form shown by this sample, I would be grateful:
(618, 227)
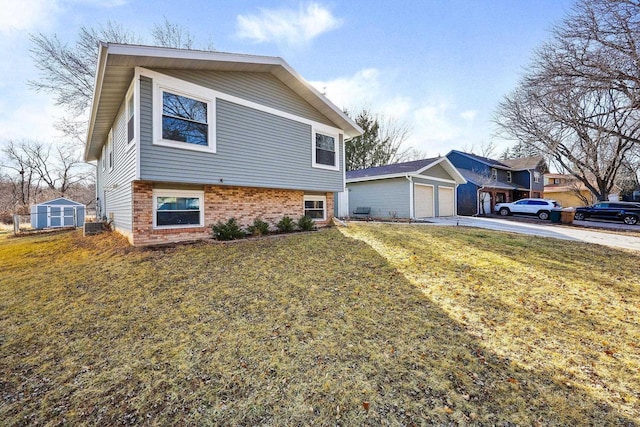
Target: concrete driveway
(556, 231)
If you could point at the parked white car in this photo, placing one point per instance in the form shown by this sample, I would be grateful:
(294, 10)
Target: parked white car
(539, 207)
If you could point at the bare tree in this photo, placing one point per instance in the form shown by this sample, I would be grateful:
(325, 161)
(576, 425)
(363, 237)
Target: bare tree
(380, 144)
(578, 104)
(68, 71)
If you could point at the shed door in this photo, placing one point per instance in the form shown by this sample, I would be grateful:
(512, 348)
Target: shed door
(69, 216)
(445, 201)
(423, 200)
(55, 216)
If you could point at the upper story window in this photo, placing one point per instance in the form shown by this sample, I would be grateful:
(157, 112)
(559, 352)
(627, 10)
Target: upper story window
(104, 157)
(509, 177)
(325, 151)
(494, 173)
(183, 119)
(536, 176)
(130, 118)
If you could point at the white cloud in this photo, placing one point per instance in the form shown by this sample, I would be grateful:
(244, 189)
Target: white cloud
(437, 123)
(287, 26)
(469, 115)
(18, 16)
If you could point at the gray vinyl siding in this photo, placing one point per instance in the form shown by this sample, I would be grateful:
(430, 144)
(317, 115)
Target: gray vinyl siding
(261, 88)
(383, 197)
(253, 148)
(437, 171)
(436, 189)
(117, 181)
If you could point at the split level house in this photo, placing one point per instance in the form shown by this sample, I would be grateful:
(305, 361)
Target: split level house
(490, 181)
(184, 139)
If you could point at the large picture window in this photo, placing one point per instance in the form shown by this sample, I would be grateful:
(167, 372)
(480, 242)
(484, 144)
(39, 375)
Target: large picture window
(184, 119)
(315, 207)
(174, 208)
(325, 151)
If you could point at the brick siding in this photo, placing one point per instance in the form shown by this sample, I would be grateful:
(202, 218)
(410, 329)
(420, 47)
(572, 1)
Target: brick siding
(220, 203)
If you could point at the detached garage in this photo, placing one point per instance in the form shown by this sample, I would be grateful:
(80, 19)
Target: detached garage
(419, 189)
(59, 212)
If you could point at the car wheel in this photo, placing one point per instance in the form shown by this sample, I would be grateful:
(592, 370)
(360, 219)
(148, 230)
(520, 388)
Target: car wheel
(504, 211)
(579, 216)
(630, 219)
(543, 215)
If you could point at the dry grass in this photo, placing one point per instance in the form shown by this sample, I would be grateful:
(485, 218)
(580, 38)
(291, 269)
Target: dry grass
(383, 324)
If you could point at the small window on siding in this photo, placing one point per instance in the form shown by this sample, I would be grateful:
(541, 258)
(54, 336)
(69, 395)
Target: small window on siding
(494, 173)
(536, 176)
(110, 150)
(178, 208)
(315, 207)
(509, 176)
(104, 157)
(325, 151)
(130, 118)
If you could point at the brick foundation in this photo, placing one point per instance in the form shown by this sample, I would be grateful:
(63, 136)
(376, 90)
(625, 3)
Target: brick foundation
(245, 204)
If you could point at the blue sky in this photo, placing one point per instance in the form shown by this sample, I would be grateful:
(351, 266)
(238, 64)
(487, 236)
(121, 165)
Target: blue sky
(439, 66)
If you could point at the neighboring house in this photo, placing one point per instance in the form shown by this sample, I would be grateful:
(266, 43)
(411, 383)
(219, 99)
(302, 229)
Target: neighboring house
(492, 181)
(60, 212)
(567, 190)
(184, 139)
(419, 189)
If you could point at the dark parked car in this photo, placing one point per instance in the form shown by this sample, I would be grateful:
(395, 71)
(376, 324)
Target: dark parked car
(615, 211)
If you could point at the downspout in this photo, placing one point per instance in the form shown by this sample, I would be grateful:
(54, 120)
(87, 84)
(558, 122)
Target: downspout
(530, 183)
(411, 209)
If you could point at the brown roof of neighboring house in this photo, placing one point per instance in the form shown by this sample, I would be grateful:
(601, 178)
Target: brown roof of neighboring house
(523, 162)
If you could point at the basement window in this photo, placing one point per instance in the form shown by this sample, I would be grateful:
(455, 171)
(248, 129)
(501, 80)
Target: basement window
(178, 208)
(315, 207)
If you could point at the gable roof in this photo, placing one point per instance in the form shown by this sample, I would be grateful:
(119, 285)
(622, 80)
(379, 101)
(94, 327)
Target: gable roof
(60, 201)
(519, 164)
(412, 168)
(117, 62)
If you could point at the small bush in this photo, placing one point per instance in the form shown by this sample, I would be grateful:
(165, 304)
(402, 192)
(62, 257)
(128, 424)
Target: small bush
(258, 228)
(227, 231)
(285, 225)
(306, 223)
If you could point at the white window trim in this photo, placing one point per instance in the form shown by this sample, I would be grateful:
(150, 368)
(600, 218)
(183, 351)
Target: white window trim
(177, 87)
(111, 155)
(336, 138)
(314, 198)
(177, 193)
(104, 157)
(494, 173)
(536, 177)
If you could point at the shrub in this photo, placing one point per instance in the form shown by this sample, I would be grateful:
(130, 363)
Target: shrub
(306, 223)
(285, 225)
(227, 231)
(258, 228)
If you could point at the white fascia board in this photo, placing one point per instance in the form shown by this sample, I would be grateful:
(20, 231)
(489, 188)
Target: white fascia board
(449, 167)
(97, 90)
(398, 175)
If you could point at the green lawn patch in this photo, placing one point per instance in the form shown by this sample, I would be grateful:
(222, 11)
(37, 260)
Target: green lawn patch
(369, 325)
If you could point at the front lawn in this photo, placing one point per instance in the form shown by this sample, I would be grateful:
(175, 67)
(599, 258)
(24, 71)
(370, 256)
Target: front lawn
(369, 325)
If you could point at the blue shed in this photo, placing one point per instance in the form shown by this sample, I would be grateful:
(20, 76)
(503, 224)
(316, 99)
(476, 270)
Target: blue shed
(60, 212)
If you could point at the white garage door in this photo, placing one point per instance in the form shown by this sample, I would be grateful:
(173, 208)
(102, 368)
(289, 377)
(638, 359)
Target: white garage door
(423, 200)
(445, 201)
